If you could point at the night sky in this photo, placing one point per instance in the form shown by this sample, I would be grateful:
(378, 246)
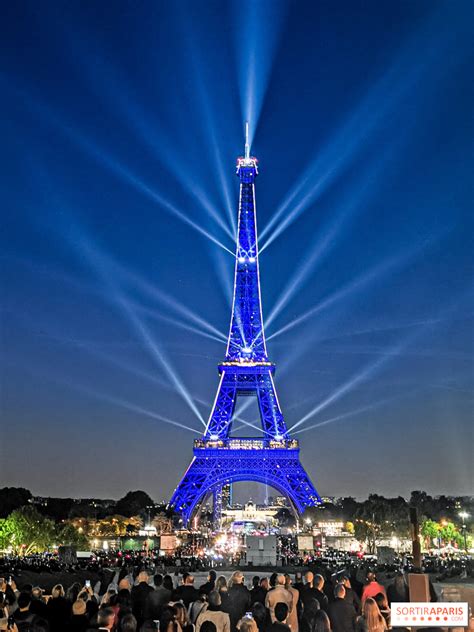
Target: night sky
(120, 126)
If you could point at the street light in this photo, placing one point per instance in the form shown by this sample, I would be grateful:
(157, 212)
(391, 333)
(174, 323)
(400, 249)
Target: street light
(463, 515)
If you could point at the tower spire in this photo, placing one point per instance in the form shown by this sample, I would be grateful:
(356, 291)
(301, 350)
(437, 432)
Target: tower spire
(247, 145)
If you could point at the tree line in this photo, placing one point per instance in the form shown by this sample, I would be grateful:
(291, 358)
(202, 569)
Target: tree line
(28, 524)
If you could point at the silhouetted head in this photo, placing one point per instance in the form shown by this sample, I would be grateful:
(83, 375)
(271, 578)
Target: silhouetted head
(281, 612)
(214, 599)
(321, 622)
(208, 626)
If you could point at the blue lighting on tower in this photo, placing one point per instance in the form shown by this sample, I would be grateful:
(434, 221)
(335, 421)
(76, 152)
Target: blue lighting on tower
(219, 459)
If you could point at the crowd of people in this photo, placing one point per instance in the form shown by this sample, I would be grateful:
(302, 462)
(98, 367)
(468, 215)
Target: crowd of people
(440, 567)
(140, 602)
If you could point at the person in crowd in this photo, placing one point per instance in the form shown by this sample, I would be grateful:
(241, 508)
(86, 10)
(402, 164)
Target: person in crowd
(38, 604)
(256, 592)
(10, 593)
(329, 583)
(186, 592)
(5, 613)
(321, 622)
(341, 613)
(59, 609)
(294, 610)
(371, 620)
(198, 606)
(211, 582)
(272, 580)
(23, 615)
(91, 608)
(247, 624)
(371, 588)
(123, 602)
(140, 594)
(113, 602)
(280, 624)
(157, 598)
(239, 599)
(79, 622)
(168, 621)
(7, 627)
(73, 591)
(105, 619)
(298, 583)
(127, 575)
(107, 597)
(168, 584)
(356, 585)
(314, 590)
(209, 626)
(182, 618)
(260, 594)
(309, 615)
(279, 594)
(382, 603)
(398, 590)
(128, 623)
(222, 589)
(125, 584)
(261, 617)
(351, 596)
(214, 613)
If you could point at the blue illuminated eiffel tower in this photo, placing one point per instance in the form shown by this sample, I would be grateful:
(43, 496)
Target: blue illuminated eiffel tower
(220, 459)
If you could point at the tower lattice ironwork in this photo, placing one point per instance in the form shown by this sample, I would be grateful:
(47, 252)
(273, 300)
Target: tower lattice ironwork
(220, 459)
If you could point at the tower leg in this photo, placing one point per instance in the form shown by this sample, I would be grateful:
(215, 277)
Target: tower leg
(217, 508)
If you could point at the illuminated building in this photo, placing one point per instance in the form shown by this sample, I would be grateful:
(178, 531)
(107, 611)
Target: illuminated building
(328, 499)
(219, 459)
(331, 527)
(251, 514)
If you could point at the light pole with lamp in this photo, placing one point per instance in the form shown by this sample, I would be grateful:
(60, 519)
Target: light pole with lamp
(463, 515)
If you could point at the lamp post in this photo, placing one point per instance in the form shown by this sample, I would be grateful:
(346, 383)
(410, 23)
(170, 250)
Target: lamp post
(463, 515)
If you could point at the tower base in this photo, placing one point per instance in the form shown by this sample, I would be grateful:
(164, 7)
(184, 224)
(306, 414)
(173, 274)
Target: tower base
(217, 463)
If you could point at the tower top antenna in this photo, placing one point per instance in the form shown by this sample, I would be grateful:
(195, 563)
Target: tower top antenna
(247, 146)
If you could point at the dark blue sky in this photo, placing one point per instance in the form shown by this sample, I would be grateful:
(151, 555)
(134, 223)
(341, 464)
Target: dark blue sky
(120, 125)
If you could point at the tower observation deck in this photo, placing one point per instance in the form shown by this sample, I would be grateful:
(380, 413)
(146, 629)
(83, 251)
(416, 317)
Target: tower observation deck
(220, 459)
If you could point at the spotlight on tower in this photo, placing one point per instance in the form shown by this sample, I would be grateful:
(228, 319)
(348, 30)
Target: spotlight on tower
(256, 36)
(362, 282)
(247, 145)
(111, 163)
(363, 123)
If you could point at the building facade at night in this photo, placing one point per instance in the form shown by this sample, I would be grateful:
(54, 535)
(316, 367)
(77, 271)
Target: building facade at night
(220, 459)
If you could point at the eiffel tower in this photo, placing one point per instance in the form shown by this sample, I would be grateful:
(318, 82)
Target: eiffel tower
(220, 459)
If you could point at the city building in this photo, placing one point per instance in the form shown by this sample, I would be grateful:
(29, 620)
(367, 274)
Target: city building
(249, 518)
